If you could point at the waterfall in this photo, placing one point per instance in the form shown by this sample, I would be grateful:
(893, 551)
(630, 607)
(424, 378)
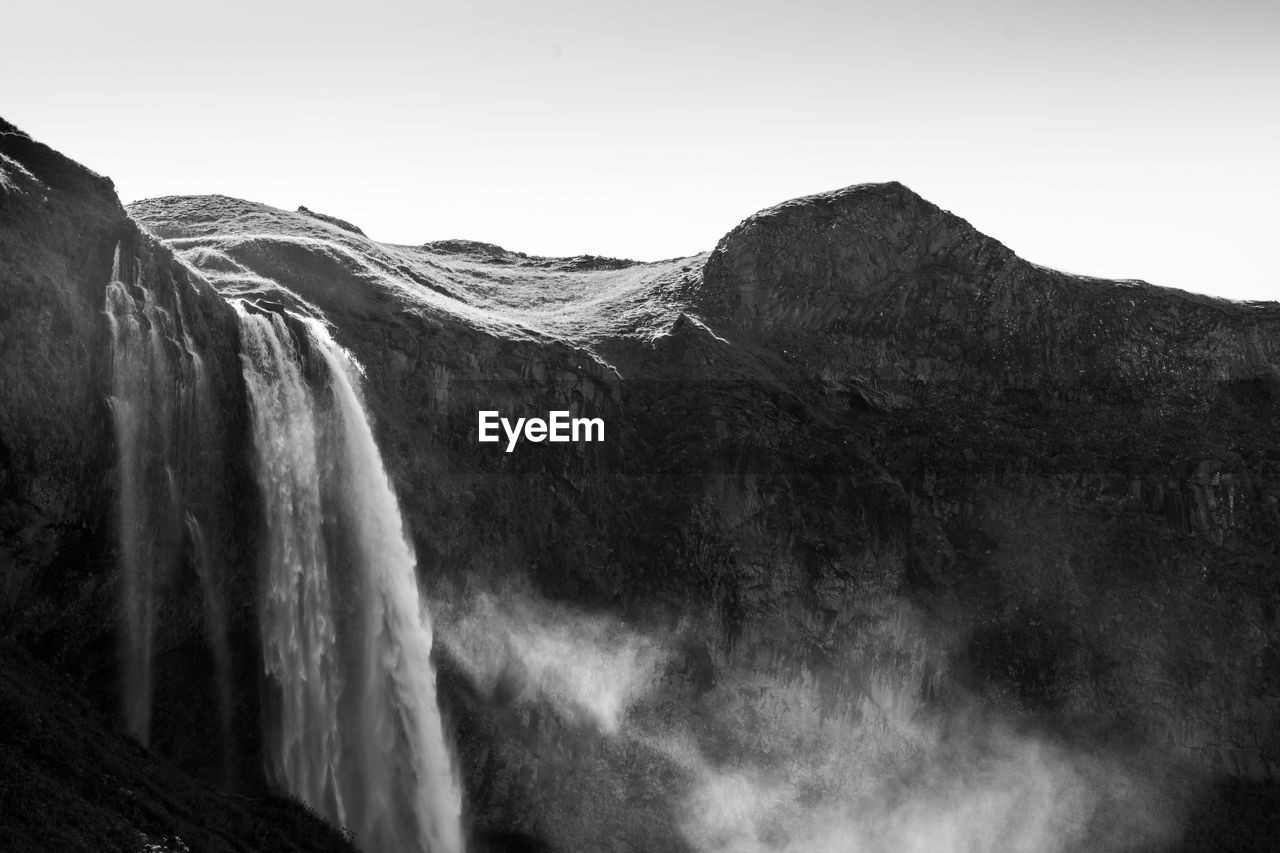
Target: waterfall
(130, 398)
(210, 574)
(299, 644)
(168, 485)
(354, 727)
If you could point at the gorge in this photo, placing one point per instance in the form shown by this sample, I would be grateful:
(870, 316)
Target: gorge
(897, 542)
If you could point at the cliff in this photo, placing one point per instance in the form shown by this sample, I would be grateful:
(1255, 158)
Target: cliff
(72, 778)
(855, 407)
(878, 500)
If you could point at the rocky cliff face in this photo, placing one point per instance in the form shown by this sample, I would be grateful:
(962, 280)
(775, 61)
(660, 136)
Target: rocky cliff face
(856, 412)
(874, 281)
(878, 500)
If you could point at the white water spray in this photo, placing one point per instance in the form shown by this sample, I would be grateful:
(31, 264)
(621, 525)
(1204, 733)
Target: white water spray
(357, 730)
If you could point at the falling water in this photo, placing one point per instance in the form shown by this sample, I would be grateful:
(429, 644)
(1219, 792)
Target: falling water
(130, 387)
(298, 631)
(167, 473)
(203, 521)
(207, 569)
(357, 730)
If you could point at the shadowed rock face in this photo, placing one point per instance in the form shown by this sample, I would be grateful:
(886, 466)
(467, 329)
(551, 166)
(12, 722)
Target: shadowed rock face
(871, 484)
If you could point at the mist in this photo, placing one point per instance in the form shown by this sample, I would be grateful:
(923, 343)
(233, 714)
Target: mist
(768, 764)
(519, 648)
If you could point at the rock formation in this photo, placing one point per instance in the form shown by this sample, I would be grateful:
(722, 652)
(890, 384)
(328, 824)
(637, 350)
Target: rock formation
(893, 534)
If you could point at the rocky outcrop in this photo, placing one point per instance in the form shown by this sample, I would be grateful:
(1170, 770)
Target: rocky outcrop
(332, 220)
(875, 281)
(61, 223)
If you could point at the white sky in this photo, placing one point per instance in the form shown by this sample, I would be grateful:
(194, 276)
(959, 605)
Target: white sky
(1120, 138)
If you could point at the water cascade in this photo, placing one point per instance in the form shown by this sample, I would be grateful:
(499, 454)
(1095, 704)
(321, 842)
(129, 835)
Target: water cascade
(353, 724)
(168, 485)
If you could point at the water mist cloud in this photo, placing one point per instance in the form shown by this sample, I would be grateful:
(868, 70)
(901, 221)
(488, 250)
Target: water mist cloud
(590, 669)
(766, 763)
(1018, 794)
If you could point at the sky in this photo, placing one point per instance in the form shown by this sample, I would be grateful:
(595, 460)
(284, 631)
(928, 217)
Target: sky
(1116, 138)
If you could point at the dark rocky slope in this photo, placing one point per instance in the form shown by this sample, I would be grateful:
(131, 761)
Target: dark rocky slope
(68, 782)
(877, 498)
